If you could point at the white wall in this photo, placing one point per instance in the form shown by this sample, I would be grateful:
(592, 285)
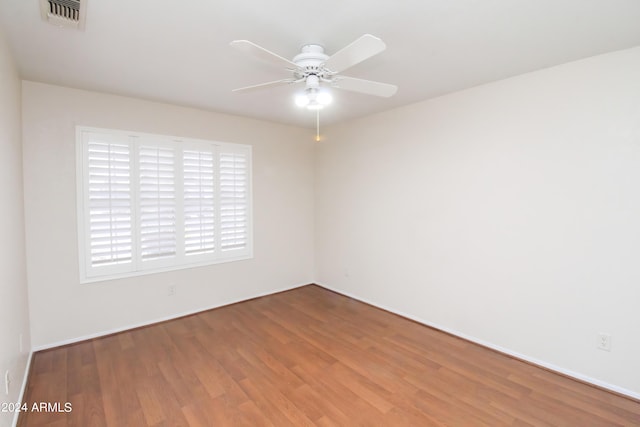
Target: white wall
(508, 213)
(14, 311)
(61, 308)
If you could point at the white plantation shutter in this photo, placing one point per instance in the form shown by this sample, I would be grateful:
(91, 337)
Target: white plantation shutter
(199, 201)
(150, 203)
(109, 203)
(234, 200)
(157, 202)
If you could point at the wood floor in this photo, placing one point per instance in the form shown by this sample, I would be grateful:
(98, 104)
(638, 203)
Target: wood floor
(304, 357)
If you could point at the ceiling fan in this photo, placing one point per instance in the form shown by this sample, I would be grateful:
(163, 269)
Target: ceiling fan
(317, 70)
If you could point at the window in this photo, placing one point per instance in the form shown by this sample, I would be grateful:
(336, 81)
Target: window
(149, 203)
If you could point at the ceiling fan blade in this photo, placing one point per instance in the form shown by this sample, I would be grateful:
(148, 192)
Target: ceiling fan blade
(368, 87)
(265, 85)
(363, 48)
(261, 53)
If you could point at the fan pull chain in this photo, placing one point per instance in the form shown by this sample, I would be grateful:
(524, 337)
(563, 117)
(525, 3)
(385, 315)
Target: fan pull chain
(318, 125)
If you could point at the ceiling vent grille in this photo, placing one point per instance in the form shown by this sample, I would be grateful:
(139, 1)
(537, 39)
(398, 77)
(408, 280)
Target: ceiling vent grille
(64, 13)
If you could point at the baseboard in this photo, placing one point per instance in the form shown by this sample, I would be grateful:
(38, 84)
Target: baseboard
(23, 387)
(156, 320)
(537, 362)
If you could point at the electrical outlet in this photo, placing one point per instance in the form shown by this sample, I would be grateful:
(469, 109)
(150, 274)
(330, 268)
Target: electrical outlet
(171, 291)
(7, 381)
(604, 342)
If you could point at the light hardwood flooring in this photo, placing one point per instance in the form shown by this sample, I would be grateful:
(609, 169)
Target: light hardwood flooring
(301, 358)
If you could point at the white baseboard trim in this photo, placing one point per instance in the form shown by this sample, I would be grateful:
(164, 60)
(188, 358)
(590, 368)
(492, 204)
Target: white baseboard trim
(534, 361)
(23, 387)
(156, 320)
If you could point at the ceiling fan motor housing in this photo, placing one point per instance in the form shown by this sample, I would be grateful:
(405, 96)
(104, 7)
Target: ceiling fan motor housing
(310, 62)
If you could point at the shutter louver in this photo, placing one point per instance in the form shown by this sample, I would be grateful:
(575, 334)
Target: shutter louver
(157, 201)
(198, 204)
(234, 201)
(109, 203)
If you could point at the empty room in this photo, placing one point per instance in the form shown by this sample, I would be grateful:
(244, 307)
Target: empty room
(338, 213)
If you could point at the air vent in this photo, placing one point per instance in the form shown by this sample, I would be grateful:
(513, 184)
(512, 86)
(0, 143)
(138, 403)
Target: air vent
(64, 13)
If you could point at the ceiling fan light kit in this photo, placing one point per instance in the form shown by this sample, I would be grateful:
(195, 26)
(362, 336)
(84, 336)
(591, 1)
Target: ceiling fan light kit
(313, 99)
(313, 96)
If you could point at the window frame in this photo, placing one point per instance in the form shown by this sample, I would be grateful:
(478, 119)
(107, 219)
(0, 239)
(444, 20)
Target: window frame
(136, 267)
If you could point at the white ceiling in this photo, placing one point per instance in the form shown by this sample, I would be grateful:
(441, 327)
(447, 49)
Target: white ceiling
(178, 51)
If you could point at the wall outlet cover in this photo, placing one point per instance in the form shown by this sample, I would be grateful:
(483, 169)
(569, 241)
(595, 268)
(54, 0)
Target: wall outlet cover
(7, 381)
(604, 342)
